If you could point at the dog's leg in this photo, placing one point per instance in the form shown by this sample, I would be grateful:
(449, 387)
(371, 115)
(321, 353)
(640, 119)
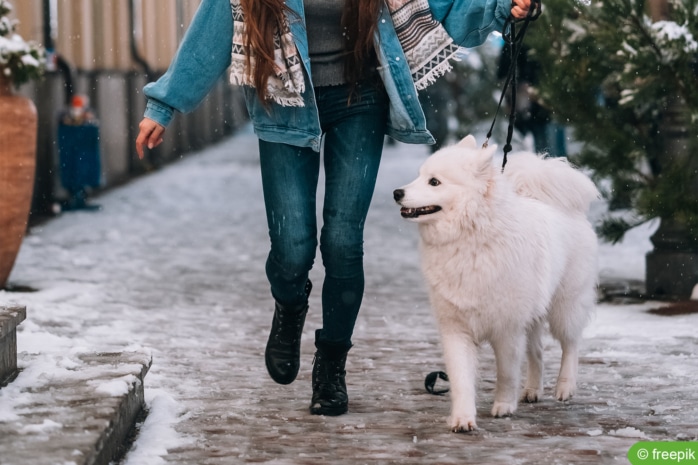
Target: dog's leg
(460, 354)
(507, 352)
(567, 379)
(533, 389)
(566, 325)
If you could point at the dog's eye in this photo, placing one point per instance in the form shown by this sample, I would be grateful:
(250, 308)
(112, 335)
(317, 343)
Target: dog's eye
(434, 182)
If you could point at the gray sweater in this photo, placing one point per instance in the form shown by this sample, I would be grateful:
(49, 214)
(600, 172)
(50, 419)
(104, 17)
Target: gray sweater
(325, 41)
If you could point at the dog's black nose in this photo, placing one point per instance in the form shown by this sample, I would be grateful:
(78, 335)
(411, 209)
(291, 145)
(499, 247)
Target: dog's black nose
(398, 194)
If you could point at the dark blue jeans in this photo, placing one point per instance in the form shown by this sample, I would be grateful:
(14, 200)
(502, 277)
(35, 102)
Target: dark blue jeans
(353, 143)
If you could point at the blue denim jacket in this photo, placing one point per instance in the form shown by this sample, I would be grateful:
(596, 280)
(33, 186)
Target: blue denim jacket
(204, 55)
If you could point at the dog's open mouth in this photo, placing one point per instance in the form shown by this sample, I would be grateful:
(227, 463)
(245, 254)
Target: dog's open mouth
(416, 212)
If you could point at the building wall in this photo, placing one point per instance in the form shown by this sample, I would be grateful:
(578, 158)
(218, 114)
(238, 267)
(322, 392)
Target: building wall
(110, 66)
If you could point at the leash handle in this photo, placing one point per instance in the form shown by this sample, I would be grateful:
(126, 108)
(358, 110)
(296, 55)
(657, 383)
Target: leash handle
(430, 382)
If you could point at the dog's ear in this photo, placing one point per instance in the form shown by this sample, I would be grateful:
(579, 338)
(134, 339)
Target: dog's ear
(486, 156)
(489, 151)
(468, 142)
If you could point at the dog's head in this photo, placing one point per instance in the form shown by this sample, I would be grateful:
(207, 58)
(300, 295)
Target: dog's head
(452, 183)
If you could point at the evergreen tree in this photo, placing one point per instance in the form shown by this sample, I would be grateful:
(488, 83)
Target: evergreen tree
(610, 73)
(20, 61)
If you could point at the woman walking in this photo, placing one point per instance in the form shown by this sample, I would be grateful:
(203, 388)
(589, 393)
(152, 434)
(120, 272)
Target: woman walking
(340, 74)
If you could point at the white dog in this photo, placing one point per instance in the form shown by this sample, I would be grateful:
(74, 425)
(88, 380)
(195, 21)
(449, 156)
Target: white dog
(502, 253)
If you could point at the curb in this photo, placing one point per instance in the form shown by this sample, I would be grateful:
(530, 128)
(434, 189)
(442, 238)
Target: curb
(10, 317)
(81, 419)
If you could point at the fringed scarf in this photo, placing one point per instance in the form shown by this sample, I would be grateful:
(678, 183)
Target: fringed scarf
(426, 44)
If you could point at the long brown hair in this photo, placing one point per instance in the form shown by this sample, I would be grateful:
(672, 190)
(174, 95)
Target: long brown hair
(263, 17)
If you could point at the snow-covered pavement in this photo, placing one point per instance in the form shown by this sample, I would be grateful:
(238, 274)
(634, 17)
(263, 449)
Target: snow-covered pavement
(173, 265)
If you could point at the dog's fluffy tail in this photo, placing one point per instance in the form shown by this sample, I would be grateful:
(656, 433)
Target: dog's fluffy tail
(551, 180)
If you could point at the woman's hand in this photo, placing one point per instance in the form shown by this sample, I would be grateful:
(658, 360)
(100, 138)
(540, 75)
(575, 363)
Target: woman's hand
(150, 135)
(519, 8)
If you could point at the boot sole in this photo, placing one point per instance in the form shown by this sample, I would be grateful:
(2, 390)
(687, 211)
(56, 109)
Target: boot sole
(329, 411)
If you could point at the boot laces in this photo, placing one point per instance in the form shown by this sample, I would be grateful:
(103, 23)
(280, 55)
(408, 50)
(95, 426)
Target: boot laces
(290, 324)
(328, 371)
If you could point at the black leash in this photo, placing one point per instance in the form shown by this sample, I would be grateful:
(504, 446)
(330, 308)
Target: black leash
(515, 41)
(430, 382)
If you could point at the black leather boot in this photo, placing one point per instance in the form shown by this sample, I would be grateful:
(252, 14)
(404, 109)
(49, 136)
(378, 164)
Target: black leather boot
(283, 352)
(329, 386)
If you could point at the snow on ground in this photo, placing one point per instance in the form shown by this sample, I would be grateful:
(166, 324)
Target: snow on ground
(173, 265)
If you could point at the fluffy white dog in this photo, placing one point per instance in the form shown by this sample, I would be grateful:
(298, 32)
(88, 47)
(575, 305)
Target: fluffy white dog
(502, 253)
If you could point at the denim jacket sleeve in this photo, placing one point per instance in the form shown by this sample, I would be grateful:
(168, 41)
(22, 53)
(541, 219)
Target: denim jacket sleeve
(469, 22)
(202, 57)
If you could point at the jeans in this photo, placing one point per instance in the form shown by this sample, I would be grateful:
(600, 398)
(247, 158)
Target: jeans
(353, 143)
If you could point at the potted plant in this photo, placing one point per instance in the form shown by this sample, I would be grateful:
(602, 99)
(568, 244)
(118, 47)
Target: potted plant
(20, 62)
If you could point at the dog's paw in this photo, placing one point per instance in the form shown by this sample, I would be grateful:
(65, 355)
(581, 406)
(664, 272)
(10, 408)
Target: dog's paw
(503, 409)
(564, 390)
(531, 395)
(462, 423)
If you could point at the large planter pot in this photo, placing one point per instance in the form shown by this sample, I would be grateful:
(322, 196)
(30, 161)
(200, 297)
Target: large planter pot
(18, 132)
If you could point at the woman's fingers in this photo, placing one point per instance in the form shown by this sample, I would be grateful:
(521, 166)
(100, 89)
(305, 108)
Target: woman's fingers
(519, 8)
(150, 135)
